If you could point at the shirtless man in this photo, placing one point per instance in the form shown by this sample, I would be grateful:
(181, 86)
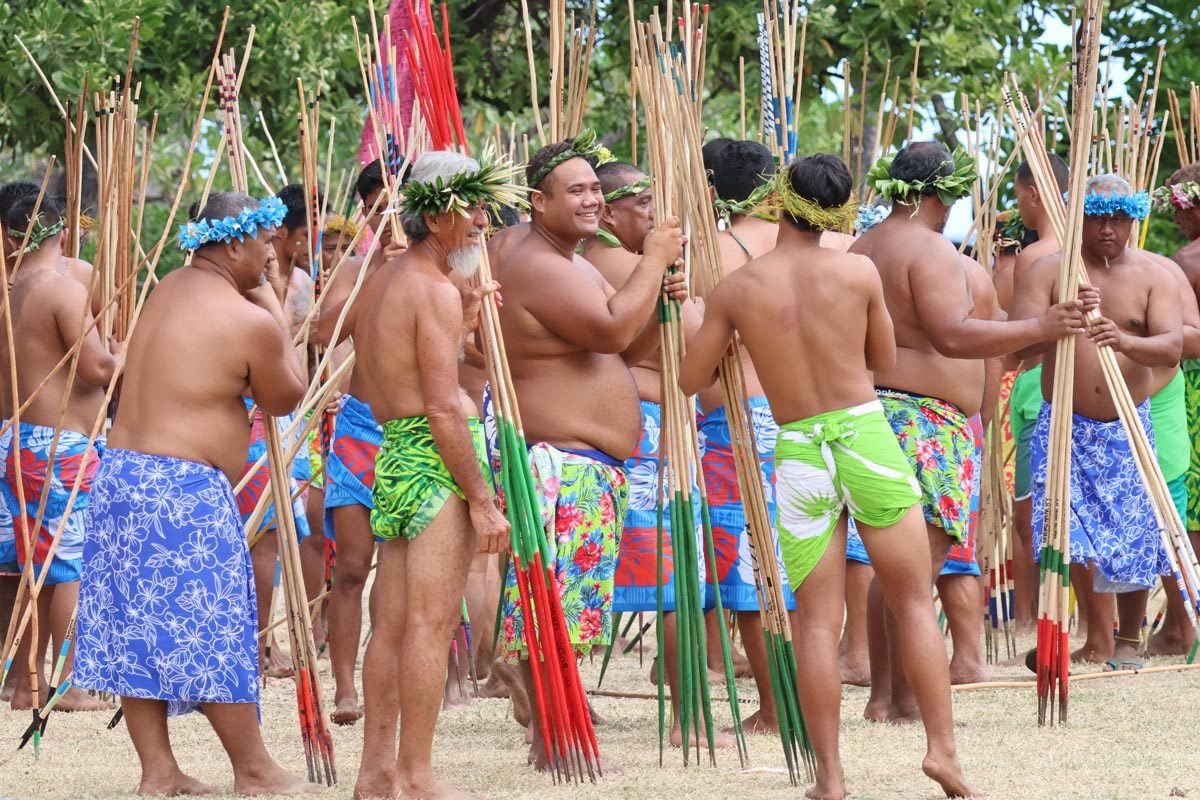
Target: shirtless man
(625, 221)
(50, 313)
(818, 379)
(1180, 195)
(350, 468)
(164, 487)
(431, 496)
(565, 328)
(1026, 398)
(1115, 545)
(938, 368)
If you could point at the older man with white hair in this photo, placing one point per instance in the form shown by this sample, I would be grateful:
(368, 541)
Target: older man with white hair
(431, 500)
(1115, 544)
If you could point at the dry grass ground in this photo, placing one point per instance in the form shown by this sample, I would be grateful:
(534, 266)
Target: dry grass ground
(1128, 737)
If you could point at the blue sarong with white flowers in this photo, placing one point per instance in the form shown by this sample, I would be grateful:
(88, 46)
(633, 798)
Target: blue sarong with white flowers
(166, 601)
(1112, 518)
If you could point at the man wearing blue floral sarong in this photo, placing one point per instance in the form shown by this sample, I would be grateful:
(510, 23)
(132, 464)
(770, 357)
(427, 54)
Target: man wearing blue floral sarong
(167, 618)
(1115, 544)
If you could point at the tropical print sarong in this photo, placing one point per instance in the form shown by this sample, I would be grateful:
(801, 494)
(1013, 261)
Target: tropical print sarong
(1191, 379)
(38, 480)
(412, 482)
(582, 499)
(350, 463)
(840, 460)
(248, 498)
(166, 605)
(960, 560)
(636, 581)
(937, 439)
(8, 541)
(731, 540)
(1112, 518)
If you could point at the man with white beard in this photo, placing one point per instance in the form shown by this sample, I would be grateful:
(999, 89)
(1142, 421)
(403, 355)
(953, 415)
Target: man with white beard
(432, 503)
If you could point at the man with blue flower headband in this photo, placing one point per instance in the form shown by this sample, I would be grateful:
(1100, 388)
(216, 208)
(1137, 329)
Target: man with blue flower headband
(167, 614)
(1115, 543)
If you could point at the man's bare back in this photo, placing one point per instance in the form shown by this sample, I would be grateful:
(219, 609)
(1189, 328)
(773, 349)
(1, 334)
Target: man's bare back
(802, 314)
(49, 311)
(185, 374)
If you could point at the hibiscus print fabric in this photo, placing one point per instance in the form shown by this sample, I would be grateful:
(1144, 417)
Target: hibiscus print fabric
(1112, 517)
(350, 468)
(166, 603)
(582, 501)
(41, 483)
(250, 496)
(940, 445)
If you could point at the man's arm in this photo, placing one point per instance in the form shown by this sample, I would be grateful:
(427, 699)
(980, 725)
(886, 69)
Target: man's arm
(1187, 304)
(333, 298)
(276, 376)
(439, 334)
(881, 333)
(1031, 299)
(698, 369)
(941, 301)
(1163, 342)
(576, 309)
(96, 363)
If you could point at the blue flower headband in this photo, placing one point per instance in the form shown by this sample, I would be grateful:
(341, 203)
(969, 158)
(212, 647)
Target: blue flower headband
(1134, 206)
(269, 214)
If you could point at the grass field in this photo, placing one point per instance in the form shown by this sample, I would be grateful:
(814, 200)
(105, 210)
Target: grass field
(1128, 737)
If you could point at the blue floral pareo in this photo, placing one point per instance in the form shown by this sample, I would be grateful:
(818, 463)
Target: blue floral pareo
(166, 602)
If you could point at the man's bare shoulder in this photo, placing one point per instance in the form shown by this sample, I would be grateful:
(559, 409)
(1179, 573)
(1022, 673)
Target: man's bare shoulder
(613, 263)
(1188, 257)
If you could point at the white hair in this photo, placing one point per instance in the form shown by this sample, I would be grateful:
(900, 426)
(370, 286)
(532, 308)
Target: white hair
(430, 166)
(1109, 183)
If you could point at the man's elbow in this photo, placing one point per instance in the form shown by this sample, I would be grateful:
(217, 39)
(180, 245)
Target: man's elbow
(881, 361)
(98, 372)
(1191, 342)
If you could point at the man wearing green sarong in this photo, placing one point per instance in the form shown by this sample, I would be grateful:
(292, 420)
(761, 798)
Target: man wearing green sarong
(431, 500)
(816, 325)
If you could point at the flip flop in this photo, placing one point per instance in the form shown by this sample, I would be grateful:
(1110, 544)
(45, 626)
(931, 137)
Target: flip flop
(1132, 664)
(1111, 666)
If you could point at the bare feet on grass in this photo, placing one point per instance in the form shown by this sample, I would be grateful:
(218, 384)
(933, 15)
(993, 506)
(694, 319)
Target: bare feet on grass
(758, 723)
(78, 700)
(271, 779)
(374, 785)
(173, 785)
(1092, 653)
(948, 774)
(962, 672)
(433, 790)
(1127, 654)
(722, 740)
(830, 785)
(507, 675)
(855, 671)
(279, 664)
(1172, 642)
(877, 708)
(346, 709)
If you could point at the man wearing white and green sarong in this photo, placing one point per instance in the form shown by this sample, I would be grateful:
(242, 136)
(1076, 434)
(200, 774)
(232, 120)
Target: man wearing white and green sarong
(816, 325)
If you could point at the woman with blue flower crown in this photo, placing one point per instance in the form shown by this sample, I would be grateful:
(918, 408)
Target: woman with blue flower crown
(167, 618)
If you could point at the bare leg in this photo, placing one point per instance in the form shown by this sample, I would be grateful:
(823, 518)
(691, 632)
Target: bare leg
(877, 650)
(1175, 636)
(904, 575)
(904, 706)
(436, 572)
(8, 598)
(483, 595)
(355, 548)
(1131, 610)
(1101, 613)
(765, 720)
(63, 599)
(312, 566)
(1025, 569)
(716, 659)
(22, 698)
(816, 628)
(962, 597)
(264, 556)
(852, 652)
(161, 776)
(381, 678)
(254, 771)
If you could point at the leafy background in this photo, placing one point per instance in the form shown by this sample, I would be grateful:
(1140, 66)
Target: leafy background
(965, 49)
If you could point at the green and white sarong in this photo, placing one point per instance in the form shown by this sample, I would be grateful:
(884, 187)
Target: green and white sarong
(411, 480)
(845, 459)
